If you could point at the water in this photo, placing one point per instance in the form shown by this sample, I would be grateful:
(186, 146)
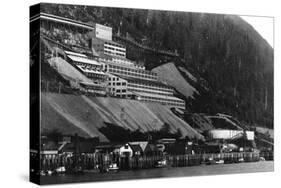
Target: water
(266, 166)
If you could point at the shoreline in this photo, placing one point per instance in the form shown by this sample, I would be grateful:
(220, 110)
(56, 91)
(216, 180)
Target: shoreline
(169, 172)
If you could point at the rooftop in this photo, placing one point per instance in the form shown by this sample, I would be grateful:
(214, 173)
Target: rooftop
(88, 70)
(55, 18)
(83, 60)
(75, 54)
(157, 96)
(136, 147)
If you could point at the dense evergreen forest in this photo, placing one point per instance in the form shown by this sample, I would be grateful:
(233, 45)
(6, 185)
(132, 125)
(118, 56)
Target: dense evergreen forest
(225, 51)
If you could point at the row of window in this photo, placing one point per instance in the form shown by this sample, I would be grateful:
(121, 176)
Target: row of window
(112, 53)
(120, 46)
(118, 90)
(166, 103)
(149, 86)
(124, 62)
(93, 75)
(115, 49)
(174, 101)
(151, 92)
(88, 65)
(131, 74)
(121, 91)
(117, 83)
(113, 79)
(136, 71)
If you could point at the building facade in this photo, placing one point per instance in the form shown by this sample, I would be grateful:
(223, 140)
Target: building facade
(92, 69)
(107, 47)
(127, 79)
(108, 68)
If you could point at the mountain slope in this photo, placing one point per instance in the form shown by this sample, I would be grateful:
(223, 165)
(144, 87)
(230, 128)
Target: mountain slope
(67, 70)
(170, 74)
(87, 115)
(223, 50)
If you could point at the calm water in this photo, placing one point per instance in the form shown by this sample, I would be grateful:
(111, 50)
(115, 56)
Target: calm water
(266, 166)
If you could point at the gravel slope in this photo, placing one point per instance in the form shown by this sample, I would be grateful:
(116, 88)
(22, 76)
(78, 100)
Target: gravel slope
(85, 115)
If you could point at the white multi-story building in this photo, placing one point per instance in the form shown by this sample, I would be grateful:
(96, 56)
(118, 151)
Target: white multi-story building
(127, 68)
(110, 70)
(127, 79)
(103, 32)
(117, 86)
(107, 47)
(92, 69)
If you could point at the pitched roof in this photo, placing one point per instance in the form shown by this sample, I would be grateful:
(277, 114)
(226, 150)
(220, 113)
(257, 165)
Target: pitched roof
(83, 147)
(136, 147)
(83, 60)
(151, 147)
(142, 144)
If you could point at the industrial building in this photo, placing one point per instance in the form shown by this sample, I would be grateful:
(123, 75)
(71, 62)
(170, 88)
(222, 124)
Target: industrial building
(225, 134)
(107, 64)
(108, 47)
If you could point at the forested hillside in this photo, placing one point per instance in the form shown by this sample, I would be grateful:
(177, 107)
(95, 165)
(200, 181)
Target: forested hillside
(233, 60)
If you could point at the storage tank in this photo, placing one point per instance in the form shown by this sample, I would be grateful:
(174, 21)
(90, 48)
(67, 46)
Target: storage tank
(230, 134)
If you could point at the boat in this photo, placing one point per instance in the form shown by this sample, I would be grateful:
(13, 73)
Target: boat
(241, 160)
(214, 161)
(60, 170)
(161, 163)
(113, 167)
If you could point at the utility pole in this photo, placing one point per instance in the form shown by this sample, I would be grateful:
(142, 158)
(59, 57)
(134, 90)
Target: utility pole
(60, 87)
(123, 114)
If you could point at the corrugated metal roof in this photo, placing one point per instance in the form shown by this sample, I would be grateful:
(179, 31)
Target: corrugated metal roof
(83, 60)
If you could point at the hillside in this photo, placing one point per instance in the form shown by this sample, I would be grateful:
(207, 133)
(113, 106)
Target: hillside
(86, 116)
(234, 61)
(170, 74)
(68, 71)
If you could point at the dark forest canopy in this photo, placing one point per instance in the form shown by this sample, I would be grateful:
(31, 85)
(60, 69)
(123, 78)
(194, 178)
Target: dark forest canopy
(222, 49)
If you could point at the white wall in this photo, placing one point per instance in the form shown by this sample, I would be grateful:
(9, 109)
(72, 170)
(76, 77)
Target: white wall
(228, 134)
(103, 32)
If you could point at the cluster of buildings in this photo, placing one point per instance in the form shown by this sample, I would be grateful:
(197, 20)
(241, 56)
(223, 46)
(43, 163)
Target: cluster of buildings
(70, 146)
(107, 66)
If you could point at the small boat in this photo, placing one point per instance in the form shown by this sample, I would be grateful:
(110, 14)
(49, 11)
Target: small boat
(214, 161)
(241, 160)
(113, 167)
(219, 161)
(161, 164)
(42, 173)
(49, 172)
(60, 170)
(262, 159)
